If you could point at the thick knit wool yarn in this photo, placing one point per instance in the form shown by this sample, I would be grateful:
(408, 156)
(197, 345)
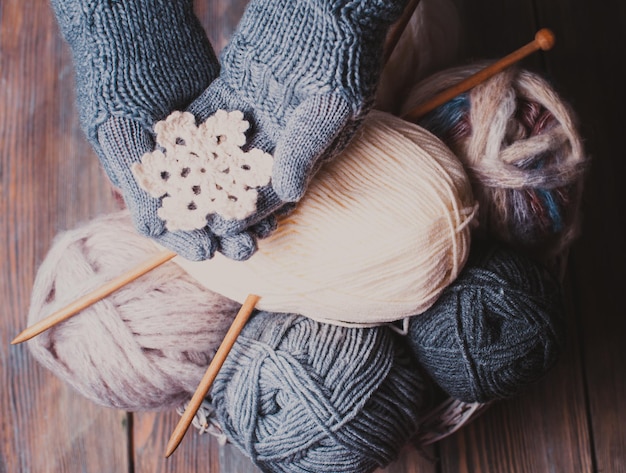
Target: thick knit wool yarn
(383, 229)
(304, 74)
(498, 328)
(302, 396)
(147, 345)
(519, 143)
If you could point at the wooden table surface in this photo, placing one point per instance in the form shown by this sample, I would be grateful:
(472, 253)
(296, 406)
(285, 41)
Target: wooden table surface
(50, 180)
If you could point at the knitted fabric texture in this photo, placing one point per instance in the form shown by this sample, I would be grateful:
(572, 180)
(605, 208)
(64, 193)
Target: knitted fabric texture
(135, 62)
(138, 59)
(147, 345)
(498, 328)
(519, 143)
(381, 232)
(304, 74)
(299, 396)
(199, 170)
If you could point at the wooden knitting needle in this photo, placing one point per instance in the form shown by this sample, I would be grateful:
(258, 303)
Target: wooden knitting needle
(396, 31)
(94, 296)
(211, 373)
(149, 265)
(544, 40)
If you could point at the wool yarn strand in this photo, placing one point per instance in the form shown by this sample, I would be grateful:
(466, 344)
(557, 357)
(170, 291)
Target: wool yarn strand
(381, 232)
(518, 141)
(146, 346)
(298, 395)
(498, 328)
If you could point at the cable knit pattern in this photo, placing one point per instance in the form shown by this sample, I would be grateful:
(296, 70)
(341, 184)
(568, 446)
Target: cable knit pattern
(304, 73)
(285, 50)
(139, 59)
(135, 62)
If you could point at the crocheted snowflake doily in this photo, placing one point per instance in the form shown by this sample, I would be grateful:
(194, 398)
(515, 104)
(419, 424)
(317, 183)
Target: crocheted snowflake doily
(199, 170)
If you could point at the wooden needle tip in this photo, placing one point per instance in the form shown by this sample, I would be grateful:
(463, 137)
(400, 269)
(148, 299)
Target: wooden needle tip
(211, 373)
(545, 39)
(22, 337)
(171, 447)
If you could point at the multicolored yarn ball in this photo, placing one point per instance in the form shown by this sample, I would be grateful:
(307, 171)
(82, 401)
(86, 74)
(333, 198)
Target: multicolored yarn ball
(146, 346)
(497, 329)
(519, 144)
(382, 230)
(297, 395)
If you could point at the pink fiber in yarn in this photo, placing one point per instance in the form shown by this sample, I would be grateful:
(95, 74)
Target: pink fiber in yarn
(147, 345)
(519, 144)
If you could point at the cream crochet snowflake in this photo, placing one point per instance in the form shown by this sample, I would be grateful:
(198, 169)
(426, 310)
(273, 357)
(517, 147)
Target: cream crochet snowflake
(202, 170)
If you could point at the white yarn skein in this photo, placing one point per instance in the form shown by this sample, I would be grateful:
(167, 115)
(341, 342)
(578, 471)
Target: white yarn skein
(382, 230)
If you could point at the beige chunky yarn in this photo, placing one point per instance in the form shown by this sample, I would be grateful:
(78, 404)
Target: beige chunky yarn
(144, 347)
(383, 229)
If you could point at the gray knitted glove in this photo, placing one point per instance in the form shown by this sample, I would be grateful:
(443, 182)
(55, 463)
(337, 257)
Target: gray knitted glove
(136, 61)
(304, 74)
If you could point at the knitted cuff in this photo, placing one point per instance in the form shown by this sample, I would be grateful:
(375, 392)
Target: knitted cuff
(138, 59)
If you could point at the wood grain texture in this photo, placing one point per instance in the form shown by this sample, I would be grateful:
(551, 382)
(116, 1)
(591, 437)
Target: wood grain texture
(195, 453)
(50, 180)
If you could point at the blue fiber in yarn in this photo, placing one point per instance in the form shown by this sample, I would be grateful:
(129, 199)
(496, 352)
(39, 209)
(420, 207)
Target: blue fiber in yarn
(445, 119)
(519, 144)
(297, 395)
(498, 328)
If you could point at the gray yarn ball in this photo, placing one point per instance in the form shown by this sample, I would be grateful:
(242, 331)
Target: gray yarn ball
(498, 328)
(297, 395)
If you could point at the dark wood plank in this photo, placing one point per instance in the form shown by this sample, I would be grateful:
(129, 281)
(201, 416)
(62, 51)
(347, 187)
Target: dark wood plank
(47, 169)
(151, 432)
(591, 71)
(219, 18)
(412, 460)
(49, 182)
(492, 29)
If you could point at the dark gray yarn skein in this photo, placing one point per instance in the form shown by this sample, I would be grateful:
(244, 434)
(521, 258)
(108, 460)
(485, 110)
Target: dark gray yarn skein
(498, 328)
(297, 395)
